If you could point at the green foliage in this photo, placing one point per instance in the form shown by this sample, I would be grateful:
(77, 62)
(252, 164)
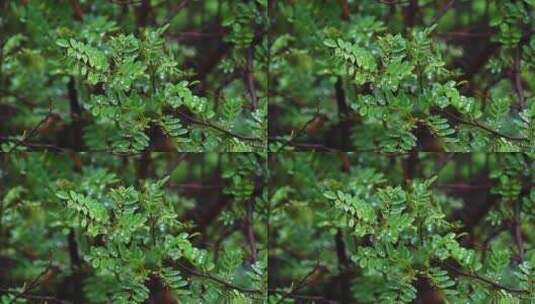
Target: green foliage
(408, 227)
(126, 87)
(111, 236)
(399, 77)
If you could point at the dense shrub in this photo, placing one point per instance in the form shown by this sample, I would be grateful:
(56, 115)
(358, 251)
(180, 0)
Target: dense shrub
(155, 228)
(416, 228)
(104, 105)
(402, 75)
(133, 75)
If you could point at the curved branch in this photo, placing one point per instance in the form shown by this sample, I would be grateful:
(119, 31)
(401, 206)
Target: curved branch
(218, 280)
(486, 280)
(218, 128)
(485, 128)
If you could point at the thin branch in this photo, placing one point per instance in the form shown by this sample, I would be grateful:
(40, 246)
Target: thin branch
(125, 2)
(218, 280)
(305, 146)
(393, 2)
(346, 12)
(463, 187)
(343, 279)
(343, 114)
(76, 112)
(78, 13)
(517, 230)
(249, 230)
(442, 12)
(520, 103)
(47, 299)
(464, 34)
(32, 285)
(33, 131)
(300, 285)
(485, 280)
(485, 128)
(302, 129)
(218, 128)
(318, 299)
(175, 11)
(249, 76)
(34, 145)
(143, 12)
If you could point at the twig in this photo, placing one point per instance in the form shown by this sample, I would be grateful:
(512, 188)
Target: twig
(46, 299)
(442, 12)
(485, 128)
(463, 187)
(318, 299)
(78, 13)
(464, 34)
(393, 2)
(249, 76)
(485, 280)
(143, 12)
(346, 12)
(193, 34)
(34, 145)
(33, 130)
(126, 2)
(306, 146)
(343, 114)
(300, 285)
(33, 284)
(218, 128)
(249, 231)
(177, 10)
(218, 280)
(76, 112)
(303, 128)
(343, 279)
(518, 80)
(517, 231)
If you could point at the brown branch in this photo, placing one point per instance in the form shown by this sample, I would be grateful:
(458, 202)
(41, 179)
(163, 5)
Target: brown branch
(343, 115)
(393, 2)
(220, 281)
(304, 146)
(37, 146)
(76, 116)
(33, 131)
(249, 76)
(143, 165)
(41, 299)
(78, 13)
(485, 280)
(76, 266)
(249, 230)
(343, 279)
(517, 231)
(346, 12)
(125, 2)
(442, 12)
(297, 134)
(299, 286)
(218, 128)
(485, 128)
(463, 187)
(315, 299)
(520, 103)
(32, 285)
(409, 14)
(143, 12)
